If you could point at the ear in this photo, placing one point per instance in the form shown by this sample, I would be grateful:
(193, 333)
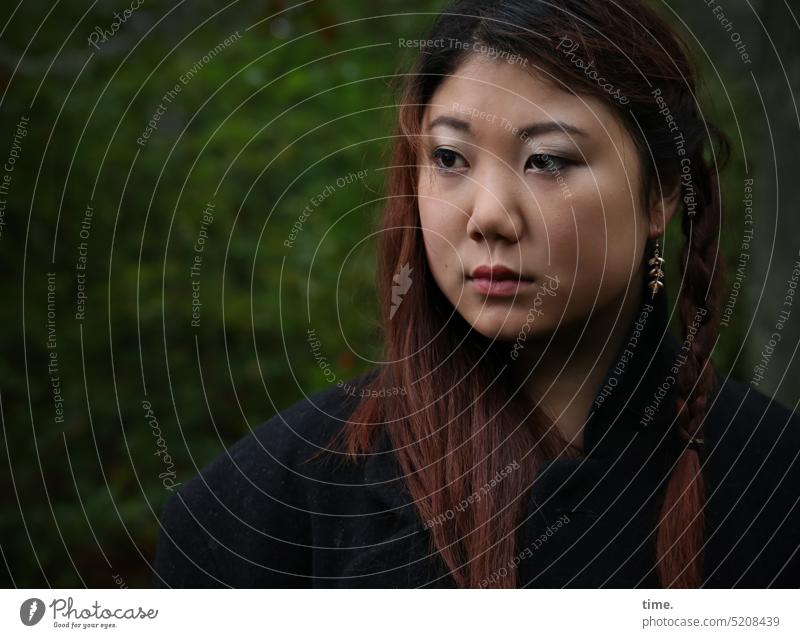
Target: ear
(662, 210)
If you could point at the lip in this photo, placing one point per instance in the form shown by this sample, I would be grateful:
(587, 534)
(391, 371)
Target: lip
(496, 272)
(498, 281)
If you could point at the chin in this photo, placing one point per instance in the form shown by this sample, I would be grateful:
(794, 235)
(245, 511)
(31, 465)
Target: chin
(491, 325)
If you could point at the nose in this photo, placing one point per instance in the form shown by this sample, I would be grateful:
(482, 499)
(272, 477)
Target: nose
(496, 213)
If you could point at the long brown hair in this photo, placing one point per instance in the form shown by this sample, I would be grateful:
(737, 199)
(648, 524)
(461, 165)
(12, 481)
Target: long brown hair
(459, 421)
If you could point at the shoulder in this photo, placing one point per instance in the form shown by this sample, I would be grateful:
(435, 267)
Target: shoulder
(303, 428)
(244, 516)
(752, 464)
(281, 445)
(742, 418)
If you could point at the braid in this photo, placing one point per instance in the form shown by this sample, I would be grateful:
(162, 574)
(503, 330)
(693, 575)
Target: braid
(681, 529)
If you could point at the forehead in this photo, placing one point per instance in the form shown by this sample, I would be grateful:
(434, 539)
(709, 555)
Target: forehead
(491, 94)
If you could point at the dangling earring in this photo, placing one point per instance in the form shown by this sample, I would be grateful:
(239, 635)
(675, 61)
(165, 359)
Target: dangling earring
(656, 272)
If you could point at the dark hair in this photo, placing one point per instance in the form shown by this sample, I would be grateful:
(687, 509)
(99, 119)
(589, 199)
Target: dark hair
(451, 436)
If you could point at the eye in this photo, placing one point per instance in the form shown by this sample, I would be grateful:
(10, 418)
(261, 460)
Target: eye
(545, 163)
(446, 160)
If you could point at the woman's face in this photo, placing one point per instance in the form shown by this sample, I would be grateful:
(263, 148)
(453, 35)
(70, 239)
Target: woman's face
(557, 205)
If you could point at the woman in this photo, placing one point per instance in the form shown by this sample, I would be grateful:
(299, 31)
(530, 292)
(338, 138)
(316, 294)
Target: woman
(535, 423)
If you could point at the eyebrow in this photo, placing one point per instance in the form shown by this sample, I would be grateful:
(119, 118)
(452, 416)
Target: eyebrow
(537, 128)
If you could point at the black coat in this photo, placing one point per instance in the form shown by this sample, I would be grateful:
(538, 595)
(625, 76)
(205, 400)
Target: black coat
(258, 516)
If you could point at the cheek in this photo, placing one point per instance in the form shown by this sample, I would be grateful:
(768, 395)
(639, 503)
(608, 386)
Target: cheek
(443, 259)
(443, 230)
(606, 235)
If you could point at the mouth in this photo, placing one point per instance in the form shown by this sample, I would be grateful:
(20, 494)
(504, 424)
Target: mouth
(499, 287)
(498, 281)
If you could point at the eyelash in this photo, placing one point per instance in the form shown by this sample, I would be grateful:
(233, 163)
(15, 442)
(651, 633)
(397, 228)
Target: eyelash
(436, 154)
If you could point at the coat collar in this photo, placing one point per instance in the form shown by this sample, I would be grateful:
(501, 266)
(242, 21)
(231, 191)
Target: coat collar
(629, 444)
(636, 398)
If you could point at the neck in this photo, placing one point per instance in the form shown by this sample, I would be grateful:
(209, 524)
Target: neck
(566, 373)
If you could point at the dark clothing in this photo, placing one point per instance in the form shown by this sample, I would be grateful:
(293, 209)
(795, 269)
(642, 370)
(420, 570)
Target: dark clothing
(258, 516)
